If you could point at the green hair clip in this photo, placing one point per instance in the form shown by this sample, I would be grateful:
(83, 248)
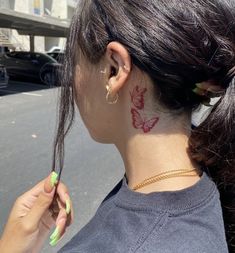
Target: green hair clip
(203, 92)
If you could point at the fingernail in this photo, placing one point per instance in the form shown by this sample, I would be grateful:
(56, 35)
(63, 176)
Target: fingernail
(54, 241)
(55, 233)
(54, 177)
(68, 206)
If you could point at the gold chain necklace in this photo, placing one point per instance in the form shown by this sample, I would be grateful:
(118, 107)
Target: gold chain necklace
(164, 175)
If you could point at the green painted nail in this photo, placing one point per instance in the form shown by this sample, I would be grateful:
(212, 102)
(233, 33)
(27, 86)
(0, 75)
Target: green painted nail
(54, 241)
(68, 207)
(55, 233)
(54, 177)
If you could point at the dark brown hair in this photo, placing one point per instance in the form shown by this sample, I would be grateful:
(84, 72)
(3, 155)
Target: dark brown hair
(178, 44)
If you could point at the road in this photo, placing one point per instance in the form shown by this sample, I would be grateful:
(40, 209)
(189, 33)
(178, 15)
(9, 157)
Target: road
(27, 126)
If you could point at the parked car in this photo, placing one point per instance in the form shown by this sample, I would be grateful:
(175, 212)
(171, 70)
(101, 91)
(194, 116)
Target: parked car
(29, 66)
(58, 56)
(4, 78)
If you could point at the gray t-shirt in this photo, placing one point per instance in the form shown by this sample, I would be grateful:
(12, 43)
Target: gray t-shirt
(184, 221)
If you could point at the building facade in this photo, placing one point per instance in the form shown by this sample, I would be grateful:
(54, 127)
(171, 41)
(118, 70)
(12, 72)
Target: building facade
(62, 9)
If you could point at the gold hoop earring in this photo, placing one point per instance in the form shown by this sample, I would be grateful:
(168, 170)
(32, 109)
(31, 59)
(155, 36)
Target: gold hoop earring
(108, 94)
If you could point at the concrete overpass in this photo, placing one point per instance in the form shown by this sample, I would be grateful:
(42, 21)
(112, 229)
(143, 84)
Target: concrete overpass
(33, 25)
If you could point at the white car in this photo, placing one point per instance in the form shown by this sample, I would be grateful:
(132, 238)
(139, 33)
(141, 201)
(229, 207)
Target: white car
(4, 78)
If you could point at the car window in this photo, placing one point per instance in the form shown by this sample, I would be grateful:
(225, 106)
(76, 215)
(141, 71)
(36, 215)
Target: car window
(54, 55)
(12, 55)
(42, 59)
(24, 56)
(19, 55)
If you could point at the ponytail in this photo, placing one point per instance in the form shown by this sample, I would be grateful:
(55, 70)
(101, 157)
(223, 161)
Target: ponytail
(212, 145)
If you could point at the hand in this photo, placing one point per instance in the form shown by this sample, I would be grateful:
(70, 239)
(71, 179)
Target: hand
(31, 217)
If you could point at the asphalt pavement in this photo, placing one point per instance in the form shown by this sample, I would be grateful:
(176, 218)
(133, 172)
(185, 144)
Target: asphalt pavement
(27, 126)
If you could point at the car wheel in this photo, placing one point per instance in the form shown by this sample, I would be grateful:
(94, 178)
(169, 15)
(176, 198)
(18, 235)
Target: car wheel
(49, 79)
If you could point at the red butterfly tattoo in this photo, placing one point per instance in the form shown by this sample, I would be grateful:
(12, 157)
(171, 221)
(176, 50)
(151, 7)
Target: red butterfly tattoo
(140, 123)
(137, 97)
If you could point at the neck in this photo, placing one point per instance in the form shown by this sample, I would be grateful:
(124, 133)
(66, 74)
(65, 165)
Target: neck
(145, 156)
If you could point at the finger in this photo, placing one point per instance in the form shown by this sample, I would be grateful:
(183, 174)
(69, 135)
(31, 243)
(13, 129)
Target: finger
(37, 189)
(62, 192)
(58, 204)
(65, 199)
(70, 218)
(41, 204)
(62, 200)
(50, 182)
(60, 227)
(62, 233)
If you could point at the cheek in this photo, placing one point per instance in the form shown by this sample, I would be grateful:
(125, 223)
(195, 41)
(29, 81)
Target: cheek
(79, 94)
(83, 95)
(81, 88)
(87, 94)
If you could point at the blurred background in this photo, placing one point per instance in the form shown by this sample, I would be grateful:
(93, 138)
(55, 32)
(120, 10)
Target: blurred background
(32, 39)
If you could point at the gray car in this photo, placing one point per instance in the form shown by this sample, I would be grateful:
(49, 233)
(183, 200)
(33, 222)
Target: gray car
(4, 78)
(31, 66)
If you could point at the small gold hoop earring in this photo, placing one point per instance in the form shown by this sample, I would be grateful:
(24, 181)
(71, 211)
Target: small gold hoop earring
(108, 98)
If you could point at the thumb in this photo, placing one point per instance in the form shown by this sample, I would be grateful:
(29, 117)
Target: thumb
(43, 201)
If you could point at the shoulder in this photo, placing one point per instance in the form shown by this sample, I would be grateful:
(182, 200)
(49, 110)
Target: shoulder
(198, 231)
(112, 192)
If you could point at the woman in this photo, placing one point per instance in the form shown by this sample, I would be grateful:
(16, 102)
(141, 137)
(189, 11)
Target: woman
(137, 70)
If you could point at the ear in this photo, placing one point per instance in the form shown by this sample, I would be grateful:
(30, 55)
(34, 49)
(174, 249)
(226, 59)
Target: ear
(118, 62)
